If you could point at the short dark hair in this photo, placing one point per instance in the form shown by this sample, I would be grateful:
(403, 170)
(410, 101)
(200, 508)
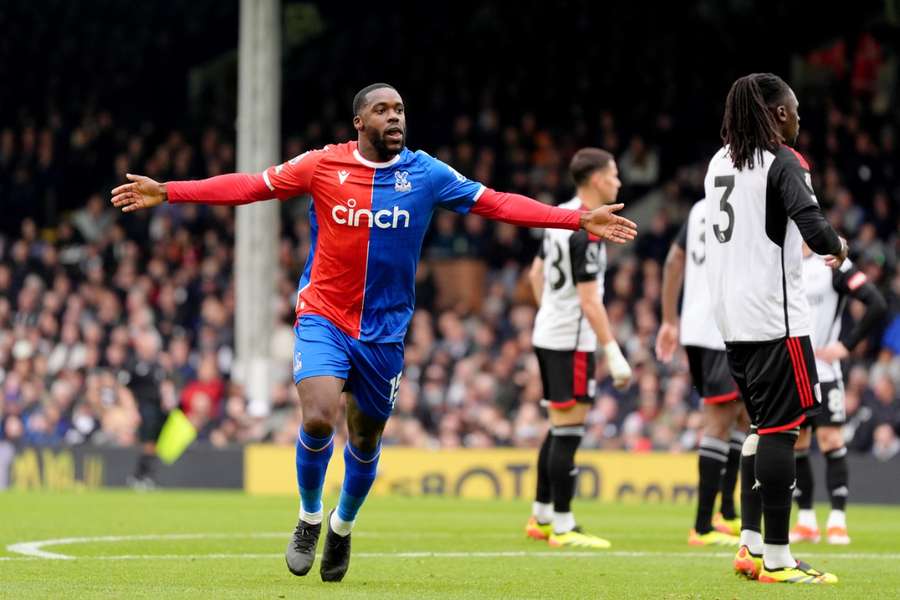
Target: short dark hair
(586, 161)
(748, 126)
(359, 100)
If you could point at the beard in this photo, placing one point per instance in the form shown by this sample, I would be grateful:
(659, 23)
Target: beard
(380, 144)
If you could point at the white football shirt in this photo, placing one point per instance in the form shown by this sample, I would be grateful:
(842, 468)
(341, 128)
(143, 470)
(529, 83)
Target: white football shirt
(570, 258)
(697, 327)
(753, 252)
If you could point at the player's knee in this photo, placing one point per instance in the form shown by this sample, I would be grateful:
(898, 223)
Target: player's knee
(829, 438)
(318, 419)
(718, 428)
(319, 416)
(574, 416)
(804, 440)
(317, 427)
(367, 442)
(750, 445)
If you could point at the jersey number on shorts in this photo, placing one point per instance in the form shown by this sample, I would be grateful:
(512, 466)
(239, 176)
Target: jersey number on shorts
(395, 389)
(836, 404)
(727, 182)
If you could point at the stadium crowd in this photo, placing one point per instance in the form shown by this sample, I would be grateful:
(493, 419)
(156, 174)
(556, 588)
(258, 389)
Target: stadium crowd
(92, 300)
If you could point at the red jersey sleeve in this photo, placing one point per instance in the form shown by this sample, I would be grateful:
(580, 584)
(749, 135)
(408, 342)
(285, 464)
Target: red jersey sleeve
(232, 189)
(523, 211)
(294, 177)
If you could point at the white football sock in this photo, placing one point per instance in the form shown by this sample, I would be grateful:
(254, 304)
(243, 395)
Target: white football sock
(563, 522)
(837, 518)
(542, 512)
(340, 526)
(807, 518)
(753, 540)
(311, 518)
(778, 556)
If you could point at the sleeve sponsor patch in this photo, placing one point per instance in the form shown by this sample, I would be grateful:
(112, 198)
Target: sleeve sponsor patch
(856, 280)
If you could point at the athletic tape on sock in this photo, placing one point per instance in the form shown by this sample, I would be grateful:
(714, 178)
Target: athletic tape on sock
(714, 443)
(750, 445)
(839, 453)
(713, 455)
(738, 436)
(568, 430)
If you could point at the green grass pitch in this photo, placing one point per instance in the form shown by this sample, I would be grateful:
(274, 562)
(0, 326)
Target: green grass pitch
(173, 545)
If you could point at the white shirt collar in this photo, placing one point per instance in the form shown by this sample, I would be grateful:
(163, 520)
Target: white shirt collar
(375, 165)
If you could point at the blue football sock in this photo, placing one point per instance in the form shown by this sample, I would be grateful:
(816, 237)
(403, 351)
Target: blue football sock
(313, 455)
(359, 474)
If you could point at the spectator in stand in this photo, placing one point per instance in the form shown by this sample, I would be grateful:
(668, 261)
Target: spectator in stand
(639, 165)
(94, 219)
(208, 386)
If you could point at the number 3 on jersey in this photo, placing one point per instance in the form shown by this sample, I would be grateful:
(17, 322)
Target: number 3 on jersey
(727, 182)
(559, 276)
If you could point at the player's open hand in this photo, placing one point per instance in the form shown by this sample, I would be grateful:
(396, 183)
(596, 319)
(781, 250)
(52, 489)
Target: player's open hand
(666, 342)
(604, 223)
(836, 260)
(142, 192)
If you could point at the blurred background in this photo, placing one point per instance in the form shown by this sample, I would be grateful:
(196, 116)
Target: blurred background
(102, 314)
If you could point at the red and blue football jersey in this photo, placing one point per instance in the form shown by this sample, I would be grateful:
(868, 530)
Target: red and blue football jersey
(367, 224)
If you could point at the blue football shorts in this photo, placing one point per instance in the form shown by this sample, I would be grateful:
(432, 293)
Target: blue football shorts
(371, 370)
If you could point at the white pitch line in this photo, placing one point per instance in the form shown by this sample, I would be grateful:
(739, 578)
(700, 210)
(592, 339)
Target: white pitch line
(498, 554)
(412, 555)
(33, 550)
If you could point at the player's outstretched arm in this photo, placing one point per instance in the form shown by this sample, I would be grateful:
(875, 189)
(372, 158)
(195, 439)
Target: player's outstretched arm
(673, 276)
(232, 189)
(525, 212)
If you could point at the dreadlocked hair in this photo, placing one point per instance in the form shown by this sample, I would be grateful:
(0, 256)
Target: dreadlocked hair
(749, 128)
